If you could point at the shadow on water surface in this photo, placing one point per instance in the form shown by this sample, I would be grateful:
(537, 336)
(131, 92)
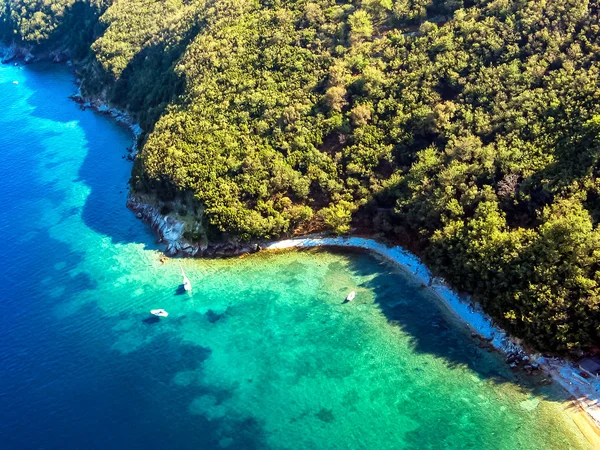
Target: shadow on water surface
(180, 290)
(103, 169)
(151, 320)
(431, 329)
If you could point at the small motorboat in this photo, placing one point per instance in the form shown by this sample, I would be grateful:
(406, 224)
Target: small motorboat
(159, 312)
(15, 82)
(351, 296)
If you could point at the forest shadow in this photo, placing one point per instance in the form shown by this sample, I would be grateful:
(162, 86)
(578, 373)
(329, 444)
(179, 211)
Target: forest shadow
(103, 170)
(75, 30)
(104, 210)
(574, 161)
(408, 304)
(131, 91)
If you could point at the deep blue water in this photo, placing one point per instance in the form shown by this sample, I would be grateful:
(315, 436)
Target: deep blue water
(61, 170)
(262, 355)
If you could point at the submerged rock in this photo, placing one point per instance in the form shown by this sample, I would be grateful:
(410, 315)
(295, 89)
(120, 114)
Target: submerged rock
(213, 317)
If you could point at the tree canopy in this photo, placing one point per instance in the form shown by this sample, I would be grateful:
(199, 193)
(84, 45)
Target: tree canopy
(469, 129)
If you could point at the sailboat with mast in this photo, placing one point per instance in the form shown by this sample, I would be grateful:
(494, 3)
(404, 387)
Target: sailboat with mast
(187, 286)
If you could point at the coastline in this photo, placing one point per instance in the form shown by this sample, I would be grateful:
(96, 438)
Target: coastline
(585, 410)
(22, 54)
(586, 395)
(586, 407)
(170, 232)
(121, 117)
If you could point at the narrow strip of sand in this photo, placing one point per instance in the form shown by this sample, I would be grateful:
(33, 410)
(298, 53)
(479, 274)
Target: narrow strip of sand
(585, 392)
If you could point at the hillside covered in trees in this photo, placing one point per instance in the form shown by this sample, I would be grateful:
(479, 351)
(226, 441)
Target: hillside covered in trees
(469, 129)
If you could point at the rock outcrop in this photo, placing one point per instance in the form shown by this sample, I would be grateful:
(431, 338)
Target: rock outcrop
(13, 51)
(7, 54)
(24, 52)
(119, 116)
(170, 233)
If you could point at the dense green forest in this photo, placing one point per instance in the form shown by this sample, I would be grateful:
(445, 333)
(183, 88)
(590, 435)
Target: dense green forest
(469, 130)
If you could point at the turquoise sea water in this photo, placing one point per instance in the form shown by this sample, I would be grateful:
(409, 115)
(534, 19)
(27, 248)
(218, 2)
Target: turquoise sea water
(263, 354)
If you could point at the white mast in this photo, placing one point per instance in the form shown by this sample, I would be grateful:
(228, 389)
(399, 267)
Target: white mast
(186, 282)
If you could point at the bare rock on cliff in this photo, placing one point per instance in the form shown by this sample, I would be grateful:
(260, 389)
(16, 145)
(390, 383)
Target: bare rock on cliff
(170, 232)
(8, 54)
(172, 229)
(172, 249)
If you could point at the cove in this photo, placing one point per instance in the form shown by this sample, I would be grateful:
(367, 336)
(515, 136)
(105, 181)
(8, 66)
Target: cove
(262, 355)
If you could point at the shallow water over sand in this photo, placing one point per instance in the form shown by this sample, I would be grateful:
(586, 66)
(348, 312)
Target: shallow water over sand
(262, 354)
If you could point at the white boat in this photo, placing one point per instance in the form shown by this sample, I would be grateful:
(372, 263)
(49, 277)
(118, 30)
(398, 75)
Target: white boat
(15, 82)
(351, 296)
(159, 312)
(186, 282)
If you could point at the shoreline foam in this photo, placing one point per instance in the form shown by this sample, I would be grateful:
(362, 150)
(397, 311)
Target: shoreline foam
(585, 393)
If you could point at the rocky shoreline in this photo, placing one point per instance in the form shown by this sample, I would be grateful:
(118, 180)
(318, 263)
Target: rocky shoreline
(122, 118)
(169, 232)
(9, 53)
(24, 53)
